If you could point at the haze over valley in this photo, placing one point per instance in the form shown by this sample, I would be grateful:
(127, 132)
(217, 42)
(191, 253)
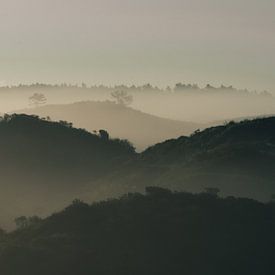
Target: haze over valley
(137, 137)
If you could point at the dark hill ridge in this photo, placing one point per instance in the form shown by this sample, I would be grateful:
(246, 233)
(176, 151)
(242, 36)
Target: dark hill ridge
(257, 131)
(140, 128)
(158, 233)
(44, 164)
(32, 142)
(238, 158)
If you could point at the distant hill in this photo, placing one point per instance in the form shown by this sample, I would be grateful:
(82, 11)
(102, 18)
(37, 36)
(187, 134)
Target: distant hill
(237, 158)
(42, 163)
(158, 233)
(120, 121)
(183, 102)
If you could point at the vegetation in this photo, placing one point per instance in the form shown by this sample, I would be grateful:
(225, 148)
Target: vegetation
(122, 98)
(179, 87)
(161, 232)
(45, 164)
(38, 142)
(37, 99)
(236, 158)
(119, 120)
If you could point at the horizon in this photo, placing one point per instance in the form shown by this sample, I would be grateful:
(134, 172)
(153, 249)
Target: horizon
(85, 85)
(128, 42)
(137, 137)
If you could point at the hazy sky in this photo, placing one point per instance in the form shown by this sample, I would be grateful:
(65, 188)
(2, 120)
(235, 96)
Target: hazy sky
(138, 41)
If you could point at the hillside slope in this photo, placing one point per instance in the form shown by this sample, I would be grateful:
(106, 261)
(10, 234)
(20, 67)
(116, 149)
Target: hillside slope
(158, 233)
(237, 158)
(44, 164)
(120, 121)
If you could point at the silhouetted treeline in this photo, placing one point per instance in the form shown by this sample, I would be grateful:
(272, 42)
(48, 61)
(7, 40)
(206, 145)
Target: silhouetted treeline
(178, 88)
(41, 144)
(121, 121)
(161, 232)
(237, 158)
(43, 162)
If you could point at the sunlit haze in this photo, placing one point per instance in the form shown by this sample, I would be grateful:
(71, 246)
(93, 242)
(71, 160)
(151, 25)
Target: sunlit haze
(135, 42)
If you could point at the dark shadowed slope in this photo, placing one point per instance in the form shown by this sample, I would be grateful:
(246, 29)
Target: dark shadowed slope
(158, 233)
(45, 164)
(120, 121)
(238, 158)
(42, 163)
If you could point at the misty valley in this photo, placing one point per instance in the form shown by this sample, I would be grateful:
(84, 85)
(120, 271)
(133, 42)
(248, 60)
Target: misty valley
(137, 137)
(97, 184)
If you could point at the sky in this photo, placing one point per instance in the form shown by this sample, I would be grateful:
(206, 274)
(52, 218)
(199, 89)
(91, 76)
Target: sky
(135, 42)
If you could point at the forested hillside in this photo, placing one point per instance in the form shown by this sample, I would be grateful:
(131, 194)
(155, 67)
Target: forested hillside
(45, 163)
(237, 158)
(158, 233)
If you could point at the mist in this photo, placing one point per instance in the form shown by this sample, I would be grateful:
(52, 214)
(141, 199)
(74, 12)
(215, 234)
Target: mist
(137, 137)
(180, 103)
(153, 115)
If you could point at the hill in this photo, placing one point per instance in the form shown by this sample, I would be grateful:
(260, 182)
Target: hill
(43, 163)
(237, 158)
(123, 122)
(157, 233)
(183, 102)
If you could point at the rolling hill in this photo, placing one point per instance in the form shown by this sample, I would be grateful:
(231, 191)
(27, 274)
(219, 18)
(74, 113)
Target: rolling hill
(123, 122)
(158, 233)
(44, 164)
(237, 158)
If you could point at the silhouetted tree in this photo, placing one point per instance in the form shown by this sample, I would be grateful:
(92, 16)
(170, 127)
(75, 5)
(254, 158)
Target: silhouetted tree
(122, 97)
(21, 222)
(103, 134)
(37, 99)
(77, 202)
(66, 123)
(33, 220)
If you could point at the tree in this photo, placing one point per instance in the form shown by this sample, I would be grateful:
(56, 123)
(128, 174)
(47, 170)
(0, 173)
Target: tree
(37, 99)
(122, 98)
(66, 123)
(103, 134)
(21, 222)
(33, 220)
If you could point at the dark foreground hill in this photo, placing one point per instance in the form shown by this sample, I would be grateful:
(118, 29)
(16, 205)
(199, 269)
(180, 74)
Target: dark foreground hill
(153, 234)
(237, 158)
(140, 128)
(42, 163)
